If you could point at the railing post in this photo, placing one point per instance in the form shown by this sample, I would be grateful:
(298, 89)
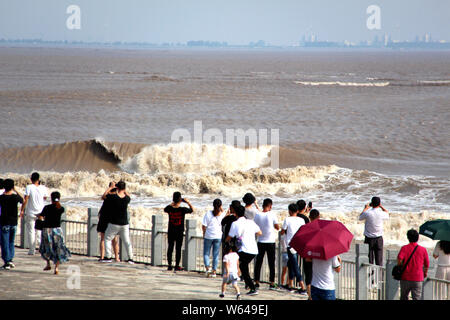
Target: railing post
(361, 272)
(23, 233)
(280, 263)
(337, 283)
(190, 257)
(64, 224)
(392, 285)
(427, 291)
(157, 240)
(92, 236)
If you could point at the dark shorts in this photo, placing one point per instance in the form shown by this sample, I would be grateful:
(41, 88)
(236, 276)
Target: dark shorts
(102, 225)
(307, 268)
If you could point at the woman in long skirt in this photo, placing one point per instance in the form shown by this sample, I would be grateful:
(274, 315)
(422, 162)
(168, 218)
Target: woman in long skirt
(52, 246)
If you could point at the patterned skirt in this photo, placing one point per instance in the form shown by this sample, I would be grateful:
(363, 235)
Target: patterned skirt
(52, 245)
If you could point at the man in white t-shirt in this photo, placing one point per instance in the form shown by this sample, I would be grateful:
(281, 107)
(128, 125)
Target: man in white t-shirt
(268, 223)
(322, 284)
(245, 230)
(290, 227)
(34, 197)
(373, 229)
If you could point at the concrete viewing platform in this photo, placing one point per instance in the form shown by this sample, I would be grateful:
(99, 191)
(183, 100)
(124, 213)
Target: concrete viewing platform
(84, 278)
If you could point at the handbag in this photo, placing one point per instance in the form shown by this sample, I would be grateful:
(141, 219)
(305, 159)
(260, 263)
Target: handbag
(397, 271)
(39, 224)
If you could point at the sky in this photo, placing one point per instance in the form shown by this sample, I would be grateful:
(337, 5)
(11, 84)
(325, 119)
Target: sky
(278, 22)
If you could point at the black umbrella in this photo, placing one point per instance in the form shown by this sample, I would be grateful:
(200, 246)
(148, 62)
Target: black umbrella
(436, 229)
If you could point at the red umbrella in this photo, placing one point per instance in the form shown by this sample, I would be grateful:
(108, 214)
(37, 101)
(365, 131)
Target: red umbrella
(321, 239)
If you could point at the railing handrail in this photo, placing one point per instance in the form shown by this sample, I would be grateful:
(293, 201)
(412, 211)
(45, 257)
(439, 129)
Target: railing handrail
(137, 229)
(372, 265)
(348, 261)
(73, 221)
(437, 280)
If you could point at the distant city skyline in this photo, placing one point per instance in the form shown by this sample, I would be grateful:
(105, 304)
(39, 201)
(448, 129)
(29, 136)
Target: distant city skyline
(278, 23)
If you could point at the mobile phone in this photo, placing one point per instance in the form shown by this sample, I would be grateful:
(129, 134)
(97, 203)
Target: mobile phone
(310, 204)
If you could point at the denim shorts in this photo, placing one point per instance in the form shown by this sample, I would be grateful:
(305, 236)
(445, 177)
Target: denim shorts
(284, 259)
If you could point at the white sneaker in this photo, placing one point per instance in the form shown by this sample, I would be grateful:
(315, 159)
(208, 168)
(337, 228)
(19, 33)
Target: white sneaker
(208, 273)
(213, 275)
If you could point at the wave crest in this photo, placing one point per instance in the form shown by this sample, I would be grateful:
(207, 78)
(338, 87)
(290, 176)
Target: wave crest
(196, 158)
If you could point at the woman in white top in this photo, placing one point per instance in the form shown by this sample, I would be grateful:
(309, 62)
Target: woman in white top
(212, 234)
(442, 253)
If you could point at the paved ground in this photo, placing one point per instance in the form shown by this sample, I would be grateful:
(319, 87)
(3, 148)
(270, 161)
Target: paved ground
(114, 281)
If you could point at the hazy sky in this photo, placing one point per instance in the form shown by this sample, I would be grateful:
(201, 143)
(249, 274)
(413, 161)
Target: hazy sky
(279, 22)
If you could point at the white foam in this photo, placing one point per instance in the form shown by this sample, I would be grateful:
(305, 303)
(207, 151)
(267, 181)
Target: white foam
(196, 158)
(343, 84)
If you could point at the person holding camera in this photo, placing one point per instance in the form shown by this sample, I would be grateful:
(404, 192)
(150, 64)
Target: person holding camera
(176, 228)
(103, 220)
(250, 210)
(118, 223)
(374, 214)
(8, 221)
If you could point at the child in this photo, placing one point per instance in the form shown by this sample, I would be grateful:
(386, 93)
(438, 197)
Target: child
(231, 262)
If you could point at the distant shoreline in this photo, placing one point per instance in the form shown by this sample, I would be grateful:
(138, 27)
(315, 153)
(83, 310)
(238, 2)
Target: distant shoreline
(148, 46)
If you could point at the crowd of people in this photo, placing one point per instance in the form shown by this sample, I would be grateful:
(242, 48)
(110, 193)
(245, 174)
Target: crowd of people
(42, 222)
(243, 232)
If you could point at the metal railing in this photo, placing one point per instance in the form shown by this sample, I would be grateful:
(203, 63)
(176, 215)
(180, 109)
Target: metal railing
(141, 242)
(356, 280)
(346, 281)
(17, 239)
(375, 284)
(440, 289)
(75, 233)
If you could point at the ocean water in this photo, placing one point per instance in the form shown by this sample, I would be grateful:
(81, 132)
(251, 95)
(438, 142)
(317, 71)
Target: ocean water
(352, 125)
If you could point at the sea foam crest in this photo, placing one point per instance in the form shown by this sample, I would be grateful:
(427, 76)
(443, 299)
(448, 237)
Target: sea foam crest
(196, 158)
